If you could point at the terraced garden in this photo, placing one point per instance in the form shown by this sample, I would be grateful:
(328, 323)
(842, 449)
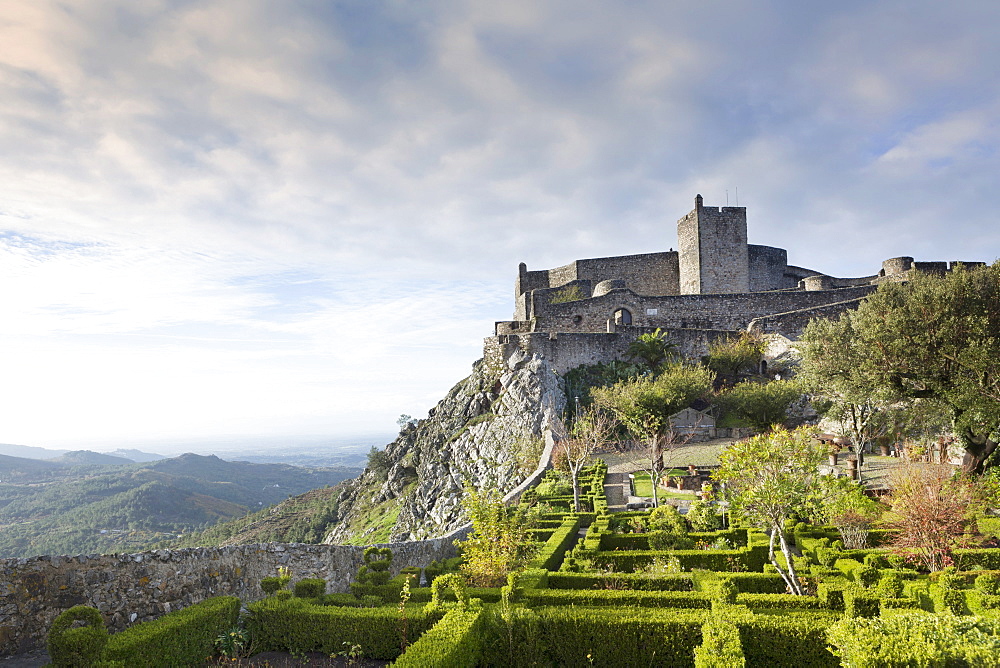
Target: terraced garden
(614, 589)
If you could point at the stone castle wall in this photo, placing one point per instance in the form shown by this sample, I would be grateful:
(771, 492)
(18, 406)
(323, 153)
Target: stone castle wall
(566, 350)
(716, 311)
(133, 588)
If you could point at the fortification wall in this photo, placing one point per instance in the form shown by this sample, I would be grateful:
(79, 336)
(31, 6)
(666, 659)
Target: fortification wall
(567, 350)
(767, 266)
(132, 588)
(646, 274)
(717, 311)
(792, 323)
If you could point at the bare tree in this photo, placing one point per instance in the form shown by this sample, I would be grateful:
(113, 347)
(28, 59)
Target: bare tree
(591, 431)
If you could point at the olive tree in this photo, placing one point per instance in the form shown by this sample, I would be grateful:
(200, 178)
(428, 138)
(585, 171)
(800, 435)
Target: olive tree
(768, 477)
(932, 339)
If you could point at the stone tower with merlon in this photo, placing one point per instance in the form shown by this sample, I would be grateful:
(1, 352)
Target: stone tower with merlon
(713, 250)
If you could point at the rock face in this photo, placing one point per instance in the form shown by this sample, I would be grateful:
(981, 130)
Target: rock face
(489, 431)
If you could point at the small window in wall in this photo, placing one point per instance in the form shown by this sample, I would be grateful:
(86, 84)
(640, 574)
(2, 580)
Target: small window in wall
(652, 311)
(577, 319)
(623, 317)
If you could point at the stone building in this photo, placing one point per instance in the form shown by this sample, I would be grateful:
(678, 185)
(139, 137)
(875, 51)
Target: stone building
(715, 284)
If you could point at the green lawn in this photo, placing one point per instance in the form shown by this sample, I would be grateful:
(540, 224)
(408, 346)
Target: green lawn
(643, 487)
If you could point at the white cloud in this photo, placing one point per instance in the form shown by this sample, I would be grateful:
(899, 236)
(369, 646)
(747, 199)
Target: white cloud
(171, 170)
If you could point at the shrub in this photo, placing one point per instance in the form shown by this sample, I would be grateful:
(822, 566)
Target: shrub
(183, 637)
(552, 553)
(454, 642)
(80, 646)
(867, 576)
(667, 518)
(988, 583)
(786, 641)
(667, 540)
(720, 646)
(726, 592)
(890, 585)
(702, 517)
(273, 584)
(858, 604)
(373, 576)
(296, 625)
(310, 588)
(916, 639)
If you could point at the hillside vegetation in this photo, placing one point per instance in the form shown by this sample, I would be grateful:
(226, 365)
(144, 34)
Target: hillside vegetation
(56, 507)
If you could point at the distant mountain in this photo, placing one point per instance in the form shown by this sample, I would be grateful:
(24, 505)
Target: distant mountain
(83, 504)
(29, 451)
(300, 519)
(90, 458)
(136, 455)
(13, 469)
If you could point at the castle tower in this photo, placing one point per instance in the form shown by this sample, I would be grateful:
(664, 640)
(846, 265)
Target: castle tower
(712, 245)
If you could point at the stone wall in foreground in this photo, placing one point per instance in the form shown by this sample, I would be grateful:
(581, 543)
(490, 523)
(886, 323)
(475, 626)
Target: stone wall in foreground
(133, 588)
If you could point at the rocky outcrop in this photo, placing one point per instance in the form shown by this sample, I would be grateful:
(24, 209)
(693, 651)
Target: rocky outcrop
(489, 431)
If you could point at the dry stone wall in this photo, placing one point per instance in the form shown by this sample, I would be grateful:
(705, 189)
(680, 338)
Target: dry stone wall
(133, 588)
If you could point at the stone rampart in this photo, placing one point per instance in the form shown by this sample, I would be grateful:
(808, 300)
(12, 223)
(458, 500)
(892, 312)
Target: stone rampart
(133, 588)
(567, 350)
(718, 311)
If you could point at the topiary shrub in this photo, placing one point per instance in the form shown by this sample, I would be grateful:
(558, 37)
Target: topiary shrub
(272, 585)
(988, 583)
(310, 588)
(667, 540)
(890, 585)
(457, 584)
(867, 576)
(720, 646)
(373, 576)
(727, 591)
(375, 570)
(81, 646)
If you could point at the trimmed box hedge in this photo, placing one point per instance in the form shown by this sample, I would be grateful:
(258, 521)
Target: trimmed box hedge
(612, 597)
(636, 581)
(295, 625)
(454, 642)
(183, 637)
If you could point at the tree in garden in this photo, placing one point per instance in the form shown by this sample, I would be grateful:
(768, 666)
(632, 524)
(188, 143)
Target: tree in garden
(843, 503)
(590, 432)
(644, 407)
(762, 406)
(652, 349)
(933, 338)
(768, 477)
(933, 511)
(731, 357)
(499, 542)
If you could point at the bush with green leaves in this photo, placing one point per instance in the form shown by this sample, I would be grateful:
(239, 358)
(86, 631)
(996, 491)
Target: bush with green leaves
(310, 588)
(274, 584)
(890, 585)
(916, 639)
(988, 583)
(701, 516)
(77, 646)
(182, 637)
(720, 646)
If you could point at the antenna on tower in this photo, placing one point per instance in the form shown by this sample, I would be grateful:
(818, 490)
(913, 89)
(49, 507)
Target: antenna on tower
(727, 197)
(737, 195)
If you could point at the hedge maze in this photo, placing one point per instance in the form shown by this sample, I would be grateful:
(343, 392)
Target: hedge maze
(602, 590)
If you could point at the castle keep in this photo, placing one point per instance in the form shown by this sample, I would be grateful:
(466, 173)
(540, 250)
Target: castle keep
(715, 284)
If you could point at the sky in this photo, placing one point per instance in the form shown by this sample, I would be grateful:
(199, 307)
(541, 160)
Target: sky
(287, 219)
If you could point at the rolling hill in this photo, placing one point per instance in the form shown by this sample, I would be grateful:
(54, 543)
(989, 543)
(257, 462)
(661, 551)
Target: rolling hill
(85, 504)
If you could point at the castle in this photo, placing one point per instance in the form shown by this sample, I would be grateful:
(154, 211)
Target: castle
(715, 284)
